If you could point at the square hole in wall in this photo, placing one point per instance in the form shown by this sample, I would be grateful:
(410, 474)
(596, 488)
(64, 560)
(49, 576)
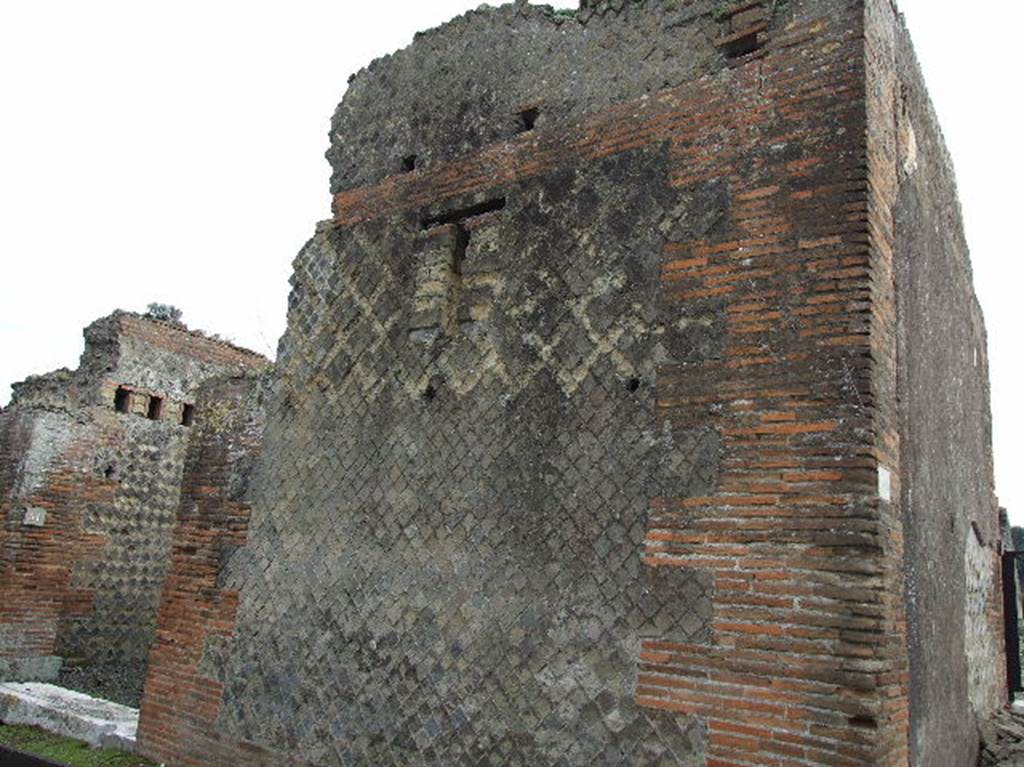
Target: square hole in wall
(409, 163)
(122, 400)
(155, 409)
(527, 119)
(741, 44)
(188, 414)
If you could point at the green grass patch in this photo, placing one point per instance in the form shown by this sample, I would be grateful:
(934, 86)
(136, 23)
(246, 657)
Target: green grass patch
(32, 740)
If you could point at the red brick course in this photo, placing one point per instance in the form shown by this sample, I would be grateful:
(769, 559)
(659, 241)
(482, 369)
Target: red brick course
(36, 563)
(808, 665)
(181, 704)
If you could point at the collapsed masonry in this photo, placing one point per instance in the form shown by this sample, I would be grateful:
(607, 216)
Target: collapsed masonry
(91, 463)
(632, 410)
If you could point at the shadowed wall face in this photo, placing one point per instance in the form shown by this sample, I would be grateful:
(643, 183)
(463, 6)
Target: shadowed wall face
(951, 519)
(457, 485)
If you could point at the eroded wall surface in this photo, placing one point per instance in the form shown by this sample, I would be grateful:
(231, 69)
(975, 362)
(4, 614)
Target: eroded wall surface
(500, 460)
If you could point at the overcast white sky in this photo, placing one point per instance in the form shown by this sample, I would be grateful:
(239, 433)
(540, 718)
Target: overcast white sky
(173, 152)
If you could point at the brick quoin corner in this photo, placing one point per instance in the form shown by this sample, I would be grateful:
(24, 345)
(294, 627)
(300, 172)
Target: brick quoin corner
(605, 426)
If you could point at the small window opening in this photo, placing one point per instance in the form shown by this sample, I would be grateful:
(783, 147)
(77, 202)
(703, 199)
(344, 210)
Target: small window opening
(109, 472)
(633, 384)
(188, 415)
(409, 163)
(156, 406)
(527, 119)
(864, 722)
(122, 400)
(741, 45)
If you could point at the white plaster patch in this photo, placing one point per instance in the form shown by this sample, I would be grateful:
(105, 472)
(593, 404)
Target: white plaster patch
(884, 483)
(34, 517)
(984, 681)
(908, 139)
(51, 434)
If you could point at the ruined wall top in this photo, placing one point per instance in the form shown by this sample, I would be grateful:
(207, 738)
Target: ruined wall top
(494, 73)
(138, 350)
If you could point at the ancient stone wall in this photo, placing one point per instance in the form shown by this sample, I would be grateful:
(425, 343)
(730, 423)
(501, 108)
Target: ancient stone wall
(183, 696)
(596, 435)
(945, 482)
(92, 474)
(32, 577)
(570, 453)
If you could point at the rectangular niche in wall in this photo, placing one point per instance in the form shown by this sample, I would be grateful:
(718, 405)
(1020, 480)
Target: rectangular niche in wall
(122, 400)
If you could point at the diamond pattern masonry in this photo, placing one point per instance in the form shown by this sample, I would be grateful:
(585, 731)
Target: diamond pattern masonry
(459, 519)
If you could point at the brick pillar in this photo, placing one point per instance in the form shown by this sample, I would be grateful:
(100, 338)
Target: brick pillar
(807, 665)
(181, 702)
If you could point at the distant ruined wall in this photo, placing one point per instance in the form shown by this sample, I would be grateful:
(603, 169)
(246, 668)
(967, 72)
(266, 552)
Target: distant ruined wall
(945, 483)
(80, 582)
